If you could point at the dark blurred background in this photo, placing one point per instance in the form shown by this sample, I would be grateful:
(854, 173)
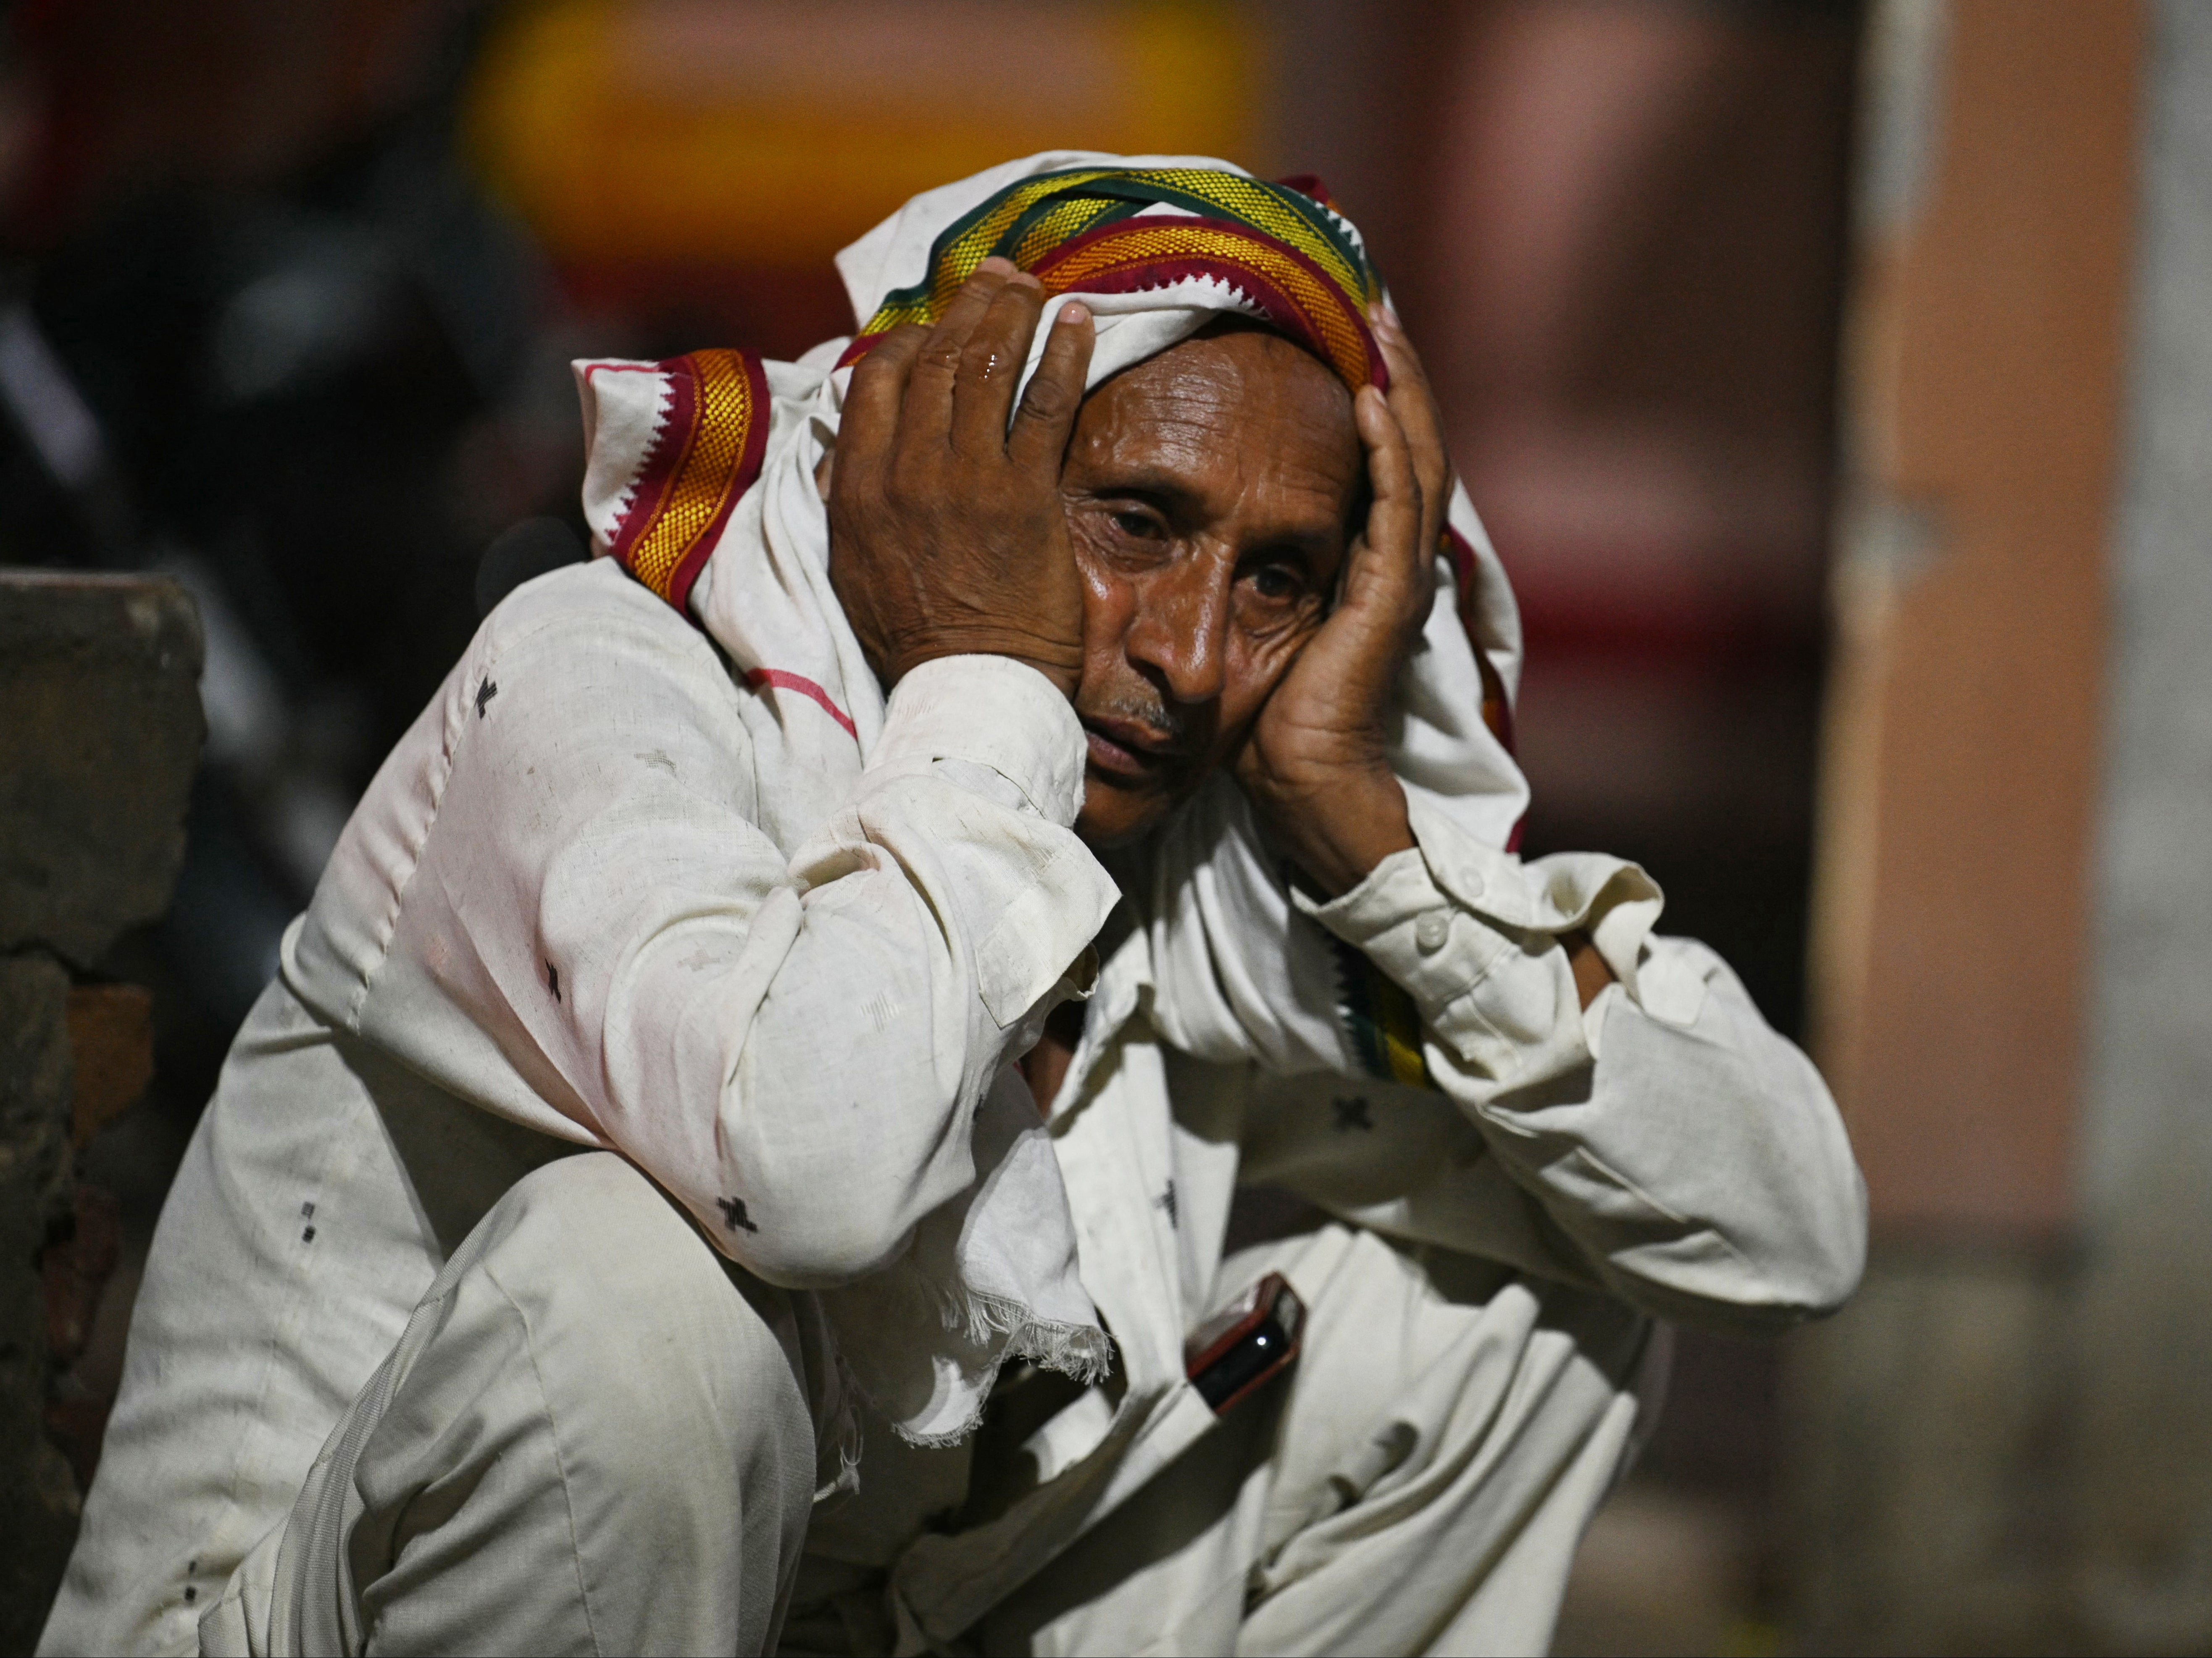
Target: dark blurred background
(287, 288)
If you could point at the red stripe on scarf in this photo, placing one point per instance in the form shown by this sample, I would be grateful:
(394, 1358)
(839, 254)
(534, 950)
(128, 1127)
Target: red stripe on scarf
(783, 681)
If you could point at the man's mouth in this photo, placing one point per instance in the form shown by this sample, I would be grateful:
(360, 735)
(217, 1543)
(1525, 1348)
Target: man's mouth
(1125, 748)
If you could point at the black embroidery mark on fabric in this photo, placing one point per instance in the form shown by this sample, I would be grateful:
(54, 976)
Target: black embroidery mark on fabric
(307, 1236)
(733, 1215)
(1350, 1113)
(485, 692)
(307, 1211)
(1167, 1200)
(553, 979)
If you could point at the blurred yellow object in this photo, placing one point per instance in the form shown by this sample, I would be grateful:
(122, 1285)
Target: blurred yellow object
(771, 133)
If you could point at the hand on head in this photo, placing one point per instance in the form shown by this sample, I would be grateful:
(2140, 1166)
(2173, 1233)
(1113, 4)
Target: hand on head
(1164, 551)
(1317, 765)
(946, 532)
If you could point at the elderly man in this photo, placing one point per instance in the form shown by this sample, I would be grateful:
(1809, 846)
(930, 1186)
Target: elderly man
(946, 1050)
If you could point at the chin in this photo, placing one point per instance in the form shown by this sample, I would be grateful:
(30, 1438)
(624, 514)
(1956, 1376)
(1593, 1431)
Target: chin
(1113, 816)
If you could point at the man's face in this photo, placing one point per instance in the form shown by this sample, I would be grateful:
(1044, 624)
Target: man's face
(1210, 492)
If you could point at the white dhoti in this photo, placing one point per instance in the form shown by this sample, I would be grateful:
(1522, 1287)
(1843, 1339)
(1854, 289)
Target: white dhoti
(593, 1437)
(1417, 1484)
(596, 1436)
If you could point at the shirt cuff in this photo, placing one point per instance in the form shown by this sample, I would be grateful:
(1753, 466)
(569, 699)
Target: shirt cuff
(1497, 999)
(988, 711)
(1470, 933)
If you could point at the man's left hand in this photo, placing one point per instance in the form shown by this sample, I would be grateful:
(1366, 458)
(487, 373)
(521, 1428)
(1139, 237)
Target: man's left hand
(1317, 765)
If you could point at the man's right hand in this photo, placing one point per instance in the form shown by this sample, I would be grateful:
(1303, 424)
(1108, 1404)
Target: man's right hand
(946, 534)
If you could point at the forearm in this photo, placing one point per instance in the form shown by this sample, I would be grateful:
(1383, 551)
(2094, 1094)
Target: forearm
(1725, 1190)
(836, 1062)
(1691, 1153)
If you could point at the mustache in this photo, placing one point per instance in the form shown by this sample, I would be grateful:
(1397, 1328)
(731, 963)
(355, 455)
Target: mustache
(1155, 714)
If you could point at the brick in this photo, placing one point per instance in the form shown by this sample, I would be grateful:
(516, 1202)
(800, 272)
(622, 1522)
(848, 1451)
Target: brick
(110, 1035)
(38, 1495)
(99, 734)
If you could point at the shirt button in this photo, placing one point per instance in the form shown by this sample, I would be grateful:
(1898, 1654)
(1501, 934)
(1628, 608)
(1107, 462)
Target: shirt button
(1430, 932)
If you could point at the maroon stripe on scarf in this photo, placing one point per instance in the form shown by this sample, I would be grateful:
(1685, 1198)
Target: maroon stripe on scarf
(705, 453)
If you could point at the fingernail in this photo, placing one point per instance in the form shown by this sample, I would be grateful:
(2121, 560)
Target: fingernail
(1075, 311)
(1023, 279)
(996, 266)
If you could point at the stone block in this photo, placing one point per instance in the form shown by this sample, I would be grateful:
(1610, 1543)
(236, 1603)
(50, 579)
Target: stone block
(99, 734)
(38, 1495)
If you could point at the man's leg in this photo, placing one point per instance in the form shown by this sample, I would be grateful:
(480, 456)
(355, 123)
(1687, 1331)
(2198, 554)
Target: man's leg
(1418, 1483)
(593, 1437)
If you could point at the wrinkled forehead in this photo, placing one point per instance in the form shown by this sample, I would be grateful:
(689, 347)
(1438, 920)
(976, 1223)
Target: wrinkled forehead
(1235, 417)
(1234, 369)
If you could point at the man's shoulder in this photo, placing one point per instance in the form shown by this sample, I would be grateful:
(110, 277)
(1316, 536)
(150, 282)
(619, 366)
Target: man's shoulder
(598, 596)
(593, 623)
(578, 661)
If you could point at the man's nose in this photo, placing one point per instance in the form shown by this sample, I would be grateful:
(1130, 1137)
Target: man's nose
(1180, 629)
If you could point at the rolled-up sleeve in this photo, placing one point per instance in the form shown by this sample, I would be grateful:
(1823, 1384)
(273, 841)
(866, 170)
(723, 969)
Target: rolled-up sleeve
(794, 1046)
(1691, 1154)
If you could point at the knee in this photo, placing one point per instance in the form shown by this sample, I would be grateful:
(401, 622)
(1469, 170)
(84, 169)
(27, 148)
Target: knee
(631, 1314)
(586, 1394)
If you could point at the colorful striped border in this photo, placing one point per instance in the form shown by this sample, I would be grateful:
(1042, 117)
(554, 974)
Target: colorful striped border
(1086, 230)
(1380, 1018)
(706, 455)
(1287, 289)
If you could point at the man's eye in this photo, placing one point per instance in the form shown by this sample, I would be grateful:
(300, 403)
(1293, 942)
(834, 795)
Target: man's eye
(1276, 584)
(1142, 526)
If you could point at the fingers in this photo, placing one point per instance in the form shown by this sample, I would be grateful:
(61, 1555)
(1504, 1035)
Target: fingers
(961, 385)
(927, 411)
(1390, 567)
(991, 366)
(1049, 408)
(1393, 516)
(871, 416)
(1415, 404)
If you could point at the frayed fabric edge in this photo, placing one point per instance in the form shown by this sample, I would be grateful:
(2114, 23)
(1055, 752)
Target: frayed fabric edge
(1084, 1353)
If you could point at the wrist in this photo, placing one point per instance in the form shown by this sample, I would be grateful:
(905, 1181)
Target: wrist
(1337, 835)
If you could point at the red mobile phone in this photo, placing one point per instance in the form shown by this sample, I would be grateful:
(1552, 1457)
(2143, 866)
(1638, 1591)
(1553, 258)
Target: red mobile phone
(1246, 1343)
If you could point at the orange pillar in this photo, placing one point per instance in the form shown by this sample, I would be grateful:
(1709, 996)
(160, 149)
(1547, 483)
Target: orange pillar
(1985, 362)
